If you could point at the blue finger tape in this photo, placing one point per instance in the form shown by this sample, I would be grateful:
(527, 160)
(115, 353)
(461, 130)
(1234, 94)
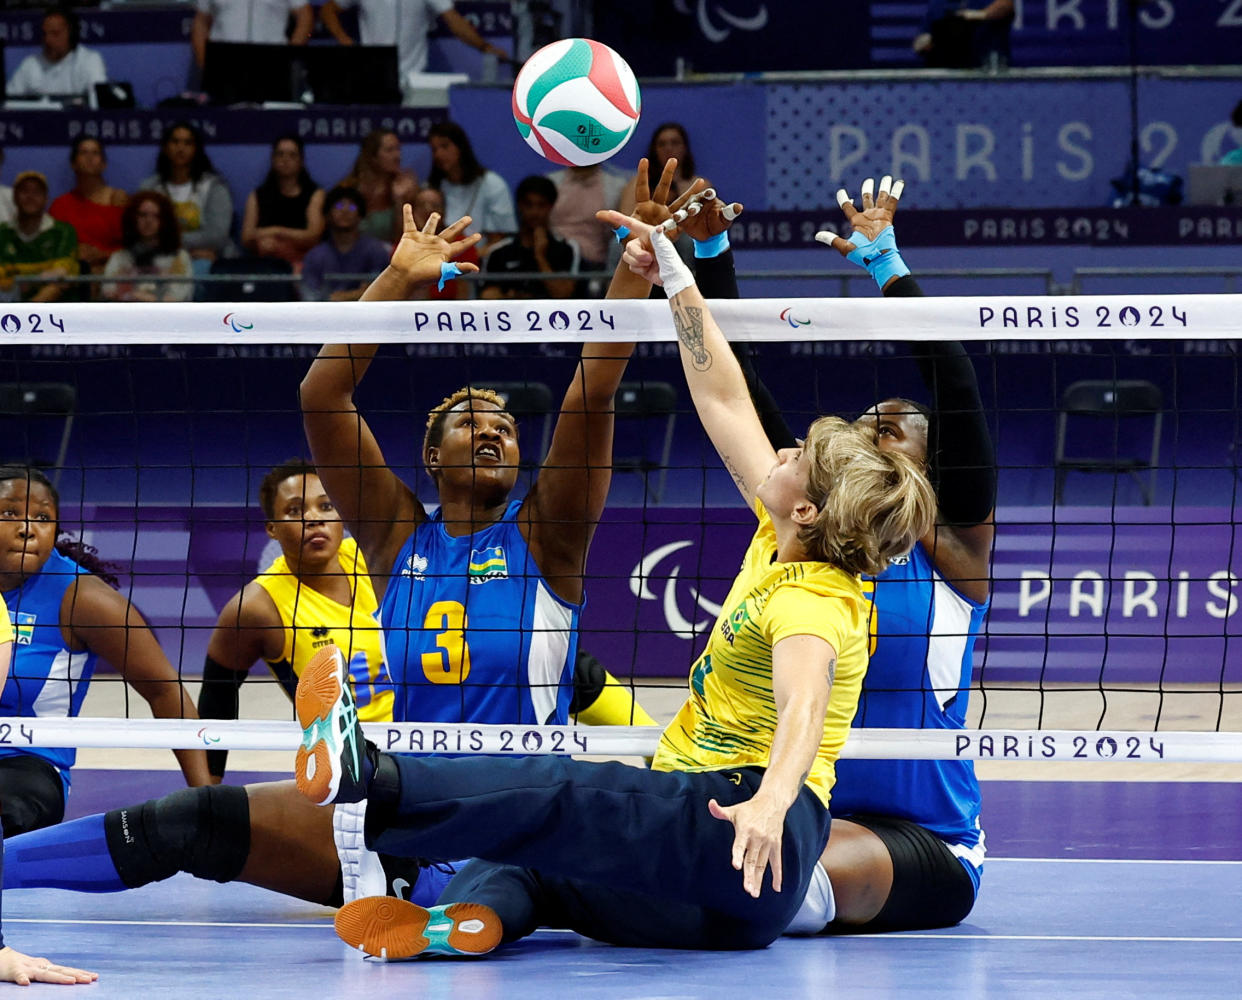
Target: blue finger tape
(621, 232)
(880, 257)
(448, 271)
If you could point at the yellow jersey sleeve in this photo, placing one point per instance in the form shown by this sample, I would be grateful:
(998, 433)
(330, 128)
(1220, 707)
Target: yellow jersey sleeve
(794, 609)
(6, 626)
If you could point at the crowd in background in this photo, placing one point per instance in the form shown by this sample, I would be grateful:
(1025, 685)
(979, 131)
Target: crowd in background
(179, 235)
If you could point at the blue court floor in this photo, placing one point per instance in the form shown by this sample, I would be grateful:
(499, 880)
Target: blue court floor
(1109, 924)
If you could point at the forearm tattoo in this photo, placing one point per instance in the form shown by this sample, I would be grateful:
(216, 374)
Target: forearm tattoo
(689, 323)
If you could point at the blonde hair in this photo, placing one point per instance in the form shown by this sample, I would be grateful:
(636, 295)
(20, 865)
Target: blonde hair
(436, 417)
(873, 505)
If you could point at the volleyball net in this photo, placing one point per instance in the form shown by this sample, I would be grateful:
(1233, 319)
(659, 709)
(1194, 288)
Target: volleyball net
(1113, 631)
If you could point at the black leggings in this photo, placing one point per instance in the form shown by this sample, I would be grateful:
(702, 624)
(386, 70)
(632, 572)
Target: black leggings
(32, 795)
(931, 887)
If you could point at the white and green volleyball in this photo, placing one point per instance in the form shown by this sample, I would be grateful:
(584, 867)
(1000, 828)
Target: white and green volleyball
(576, 102)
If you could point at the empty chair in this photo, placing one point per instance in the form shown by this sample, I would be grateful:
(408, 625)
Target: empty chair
(257, 280)
(655, 405)
(1113, 415)
(24, 405)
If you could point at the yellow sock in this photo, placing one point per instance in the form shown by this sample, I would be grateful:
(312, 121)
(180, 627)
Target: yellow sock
(615, 706)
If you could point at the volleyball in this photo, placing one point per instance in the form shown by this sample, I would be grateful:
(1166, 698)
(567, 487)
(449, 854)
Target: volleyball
(576, 102)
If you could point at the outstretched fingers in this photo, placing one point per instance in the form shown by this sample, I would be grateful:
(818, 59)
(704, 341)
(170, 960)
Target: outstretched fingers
(846, 203)
(665, 184)
(642, 184)
(454, 231)
(838, 243)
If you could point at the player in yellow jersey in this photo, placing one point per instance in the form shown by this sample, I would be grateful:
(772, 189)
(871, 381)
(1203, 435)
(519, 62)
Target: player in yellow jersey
(316, 592)
(743, 776)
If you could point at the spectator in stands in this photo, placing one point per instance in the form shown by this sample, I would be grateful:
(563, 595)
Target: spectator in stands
(64, 67)
(345, 250)
(385, 22)
(468, 187)
(91, 206)
(580, 193)
(1234, 156)
(534, 248)
(668, 140)
(259, 21)
(384, 184)
(35, 243)
(201, 200)
(151, 247)
(966, 34)
(284, 214)
(427, 201)
(7, 210)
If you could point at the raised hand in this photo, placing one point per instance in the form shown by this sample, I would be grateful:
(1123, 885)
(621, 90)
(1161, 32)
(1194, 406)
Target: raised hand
(652, 207)
(876, 215)
(705, 216)
(421, 253)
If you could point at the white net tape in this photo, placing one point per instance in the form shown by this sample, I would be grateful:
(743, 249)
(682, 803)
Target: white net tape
(1107, 317)
(622, 741)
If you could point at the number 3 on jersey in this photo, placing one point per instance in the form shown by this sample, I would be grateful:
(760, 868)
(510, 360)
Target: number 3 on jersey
(451, 663)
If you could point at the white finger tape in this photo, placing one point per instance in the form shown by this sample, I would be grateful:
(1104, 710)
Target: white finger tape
(898, 187)
(842, 196)
(868, 187)
(886, 183)
(731, 212)
(825, 237)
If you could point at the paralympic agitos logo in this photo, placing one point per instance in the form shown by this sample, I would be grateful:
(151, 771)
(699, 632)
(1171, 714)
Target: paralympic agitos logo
(659, 565)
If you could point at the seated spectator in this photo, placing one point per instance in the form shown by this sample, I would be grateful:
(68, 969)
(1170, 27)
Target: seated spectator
(7, 211)
(284, 214)
(63, 67)
(259, 21)
(383, 22)
(201, 200)
(92, 207)
(385, 185)
(580, 193)
(151, 246)
(668, 140)
(1234, 156)
(534, 248)
(966, 34)
(468, 187)
(427, 201)
(344, 250)
(35, 244)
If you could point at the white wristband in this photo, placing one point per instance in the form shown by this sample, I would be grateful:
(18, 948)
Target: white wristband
(674, 274)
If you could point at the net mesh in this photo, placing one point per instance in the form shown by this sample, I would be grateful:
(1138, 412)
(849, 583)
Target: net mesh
(1116, 565)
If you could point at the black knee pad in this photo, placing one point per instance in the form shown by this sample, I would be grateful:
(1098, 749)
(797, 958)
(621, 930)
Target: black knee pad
(589, 679)
(203, 831)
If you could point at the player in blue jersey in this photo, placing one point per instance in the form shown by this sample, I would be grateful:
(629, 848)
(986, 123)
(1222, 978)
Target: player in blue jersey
(14, 966)
(268, 834)
(65, 618)
(906, 850)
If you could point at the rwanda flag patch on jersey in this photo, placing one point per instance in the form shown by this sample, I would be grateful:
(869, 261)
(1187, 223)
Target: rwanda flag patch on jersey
(488, 564)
